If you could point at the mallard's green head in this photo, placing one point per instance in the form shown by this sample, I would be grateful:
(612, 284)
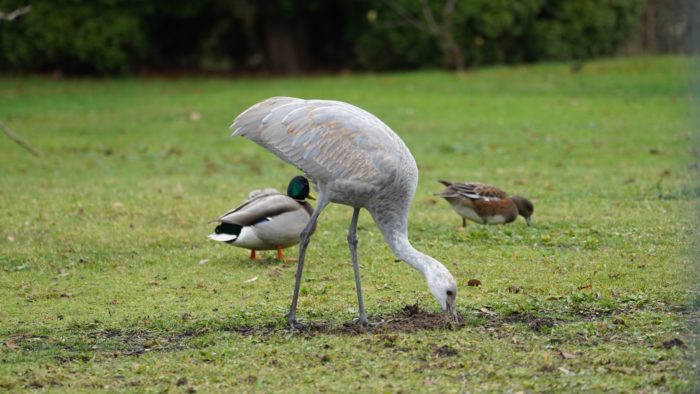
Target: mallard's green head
(298, 188)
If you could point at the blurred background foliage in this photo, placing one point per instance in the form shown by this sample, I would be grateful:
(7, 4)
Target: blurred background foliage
(293, 36)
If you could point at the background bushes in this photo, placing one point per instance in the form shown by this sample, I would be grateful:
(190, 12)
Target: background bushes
(287, 36)
(502, 31)
(99, 36)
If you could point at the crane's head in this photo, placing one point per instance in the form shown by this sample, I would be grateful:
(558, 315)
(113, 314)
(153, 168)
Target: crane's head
(444, 289)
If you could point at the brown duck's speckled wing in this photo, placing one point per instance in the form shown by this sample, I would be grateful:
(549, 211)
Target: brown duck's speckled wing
(328, 140)
(473, 191)
(264, 207)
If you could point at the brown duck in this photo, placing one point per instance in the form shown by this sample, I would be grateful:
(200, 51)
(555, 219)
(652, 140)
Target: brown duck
(485, 204)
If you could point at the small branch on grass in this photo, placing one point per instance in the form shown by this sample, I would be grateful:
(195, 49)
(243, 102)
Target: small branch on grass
(19, 140)
(10, 16)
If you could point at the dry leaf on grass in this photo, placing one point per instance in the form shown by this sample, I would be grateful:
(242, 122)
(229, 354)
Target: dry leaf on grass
(11, 344)
(566, 355)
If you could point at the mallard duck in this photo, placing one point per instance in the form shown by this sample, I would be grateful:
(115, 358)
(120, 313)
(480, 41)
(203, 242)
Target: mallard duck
(485, 204)
(267, 220)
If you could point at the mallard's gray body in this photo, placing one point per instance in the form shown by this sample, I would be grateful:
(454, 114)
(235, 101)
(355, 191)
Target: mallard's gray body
(268, 221)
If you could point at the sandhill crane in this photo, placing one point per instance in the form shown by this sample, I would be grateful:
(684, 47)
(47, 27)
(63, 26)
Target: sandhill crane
(354, 159)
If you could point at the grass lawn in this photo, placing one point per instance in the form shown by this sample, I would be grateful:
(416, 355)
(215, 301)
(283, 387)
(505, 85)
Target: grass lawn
(107, 279)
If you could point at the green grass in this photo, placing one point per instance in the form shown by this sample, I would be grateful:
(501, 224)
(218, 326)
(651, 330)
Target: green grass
(101, 285)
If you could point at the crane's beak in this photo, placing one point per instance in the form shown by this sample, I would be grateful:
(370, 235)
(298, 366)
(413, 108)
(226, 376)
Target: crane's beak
(451, 312)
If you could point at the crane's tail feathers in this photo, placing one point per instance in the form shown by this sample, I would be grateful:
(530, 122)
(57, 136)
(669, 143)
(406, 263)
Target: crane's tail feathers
(223, 237)
(257, 115)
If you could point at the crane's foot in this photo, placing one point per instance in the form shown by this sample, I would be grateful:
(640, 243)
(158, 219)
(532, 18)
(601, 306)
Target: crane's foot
(362, 321)
(295, 325)
(292, 321)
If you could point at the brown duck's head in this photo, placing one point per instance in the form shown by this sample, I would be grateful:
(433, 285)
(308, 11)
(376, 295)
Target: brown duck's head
(525, 207)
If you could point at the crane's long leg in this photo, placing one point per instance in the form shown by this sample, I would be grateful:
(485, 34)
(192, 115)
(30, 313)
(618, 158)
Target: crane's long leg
(304, 242)
(352, 243)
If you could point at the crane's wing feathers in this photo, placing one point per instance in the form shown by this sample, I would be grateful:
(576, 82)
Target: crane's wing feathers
(328, 140)
(264, 207)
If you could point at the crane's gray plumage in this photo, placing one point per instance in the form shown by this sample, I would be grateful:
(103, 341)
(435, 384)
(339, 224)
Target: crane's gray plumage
(354, 159)
(338, 145)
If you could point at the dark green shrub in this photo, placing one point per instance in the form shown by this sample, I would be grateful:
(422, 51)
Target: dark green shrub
(395, 49)
(579, 29)
(491, 31)
(498, 31)
(74, 36)
(119, 36)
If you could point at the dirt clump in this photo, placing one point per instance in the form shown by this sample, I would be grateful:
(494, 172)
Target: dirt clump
(445, 351)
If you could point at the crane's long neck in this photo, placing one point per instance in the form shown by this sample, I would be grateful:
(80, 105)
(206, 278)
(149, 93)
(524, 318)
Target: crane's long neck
(394, 227)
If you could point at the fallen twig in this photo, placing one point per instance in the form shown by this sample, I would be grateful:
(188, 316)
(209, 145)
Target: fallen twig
(19, 140)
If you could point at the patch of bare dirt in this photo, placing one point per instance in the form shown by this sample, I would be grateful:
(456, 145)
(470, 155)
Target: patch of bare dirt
(675, 342)
(410, 318)
(445, 351)
(93, 343)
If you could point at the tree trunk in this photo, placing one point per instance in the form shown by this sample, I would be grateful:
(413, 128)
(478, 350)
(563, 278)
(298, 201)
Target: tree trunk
(287, 48)
(451, 53)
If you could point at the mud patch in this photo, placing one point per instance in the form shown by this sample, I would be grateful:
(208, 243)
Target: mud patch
(675, 342)
(445, 351)
(99, 344)
(535, 323)
(411, 318)
(139, 341)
